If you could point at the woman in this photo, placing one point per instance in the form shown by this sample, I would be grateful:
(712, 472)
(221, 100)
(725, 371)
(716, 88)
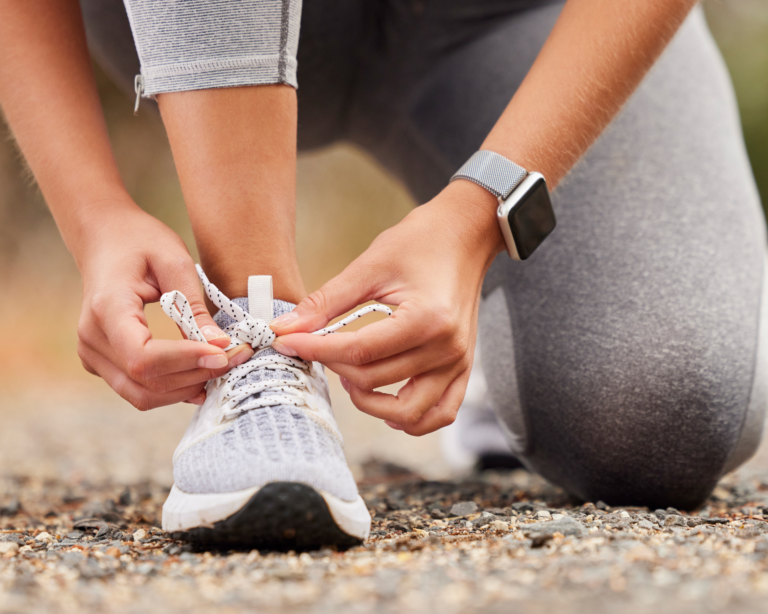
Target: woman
(625, 359)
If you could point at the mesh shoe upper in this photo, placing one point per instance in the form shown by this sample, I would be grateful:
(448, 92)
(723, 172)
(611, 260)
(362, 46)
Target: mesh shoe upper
(268, 444)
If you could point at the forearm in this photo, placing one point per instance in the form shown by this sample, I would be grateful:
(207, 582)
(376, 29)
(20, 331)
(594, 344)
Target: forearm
(595, 57)
(49, 98)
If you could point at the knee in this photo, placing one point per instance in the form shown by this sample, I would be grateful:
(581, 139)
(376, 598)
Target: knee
(656, 442)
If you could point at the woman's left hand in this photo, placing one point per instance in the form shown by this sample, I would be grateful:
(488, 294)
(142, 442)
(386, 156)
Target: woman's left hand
(431, 265)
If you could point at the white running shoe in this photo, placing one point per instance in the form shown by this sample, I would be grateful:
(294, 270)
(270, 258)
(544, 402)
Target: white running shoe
(262, 463)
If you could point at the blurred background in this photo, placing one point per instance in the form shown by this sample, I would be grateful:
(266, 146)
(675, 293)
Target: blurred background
(58, 421)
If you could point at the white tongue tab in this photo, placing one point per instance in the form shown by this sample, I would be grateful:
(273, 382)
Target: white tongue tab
(260, 297)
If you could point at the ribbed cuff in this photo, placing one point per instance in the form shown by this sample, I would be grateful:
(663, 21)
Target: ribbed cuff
(234, 72)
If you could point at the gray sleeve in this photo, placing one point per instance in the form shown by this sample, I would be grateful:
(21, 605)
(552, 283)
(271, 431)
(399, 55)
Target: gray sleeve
(202, 44)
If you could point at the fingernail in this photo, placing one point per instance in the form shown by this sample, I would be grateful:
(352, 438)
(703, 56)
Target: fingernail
(240, 356)
(344, 383)
(284, 320)
(197, 400)
(393, 425)
(213, 361)
(283, 349)
(213, 332)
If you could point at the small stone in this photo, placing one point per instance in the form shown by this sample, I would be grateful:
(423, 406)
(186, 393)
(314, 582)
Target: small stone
(464, 508)
(522, 506)
(9, 548)
(601, 505)
(558, 516)
(125, 497)
(675, 520)
(566, 526)
(672, 510)
(89, 523)
(75, 535)
(543, 515)
(539, 540)
(13, 508)
(139, 535)
(498, 525)
(115, 552)
(45, 537)
(484, 519)
(102, 532)
(644, 524)
(624, 515)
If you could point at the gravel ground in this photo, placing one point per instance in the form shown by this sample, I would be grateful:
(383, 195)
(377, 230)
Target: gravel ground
(82, 485)
(490, 543)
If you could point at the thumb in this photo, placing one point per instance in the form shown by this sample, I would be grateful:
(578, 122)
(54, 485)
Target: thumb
(345, 291)
(183, 277)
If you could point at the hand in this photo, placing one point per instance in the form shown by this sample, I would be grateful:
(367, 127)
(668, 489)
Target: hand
(127, 259)
(431, 265)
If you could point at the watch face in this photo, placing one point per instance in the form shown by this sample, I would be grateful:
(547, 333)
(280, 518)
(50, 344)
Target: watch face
(532, 219)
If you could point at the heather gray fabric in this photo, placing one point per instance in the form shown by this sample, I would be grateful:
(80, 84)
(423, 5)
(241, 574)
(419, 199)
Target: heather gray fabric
(624, 353)
(200, 44)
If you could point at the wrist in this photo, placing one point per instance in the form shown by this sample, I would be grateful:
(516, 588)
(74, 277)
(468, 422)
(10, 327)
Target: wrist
(474, 210)
(85, 221)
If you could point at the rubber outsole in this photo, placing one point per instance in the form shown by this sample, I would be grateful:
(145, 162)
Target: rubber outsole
(280, 516)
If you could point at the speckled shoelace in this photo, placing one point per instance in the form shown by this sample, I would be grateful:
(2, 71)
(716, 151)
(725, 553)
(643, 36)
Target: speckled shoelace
(257, 333)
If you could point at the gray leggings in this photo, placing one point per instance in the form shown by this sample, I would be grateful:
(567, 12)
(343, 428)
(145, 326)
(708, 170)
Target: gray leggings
(627, 357)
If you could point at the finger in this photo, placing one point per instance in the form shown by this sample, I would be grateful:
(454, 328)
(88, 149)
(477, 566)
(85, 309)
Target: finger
(408, 328)
(137, 395)
(198, 400)
(397, 368)
(352, 287)
(119, 332)
(181, 275)
(444, 413)
(412, 401)
(182, 379)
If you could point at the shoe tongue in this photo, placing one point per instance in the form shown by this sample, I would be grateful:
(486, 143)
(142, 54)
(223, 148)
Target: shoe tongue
(258, 303)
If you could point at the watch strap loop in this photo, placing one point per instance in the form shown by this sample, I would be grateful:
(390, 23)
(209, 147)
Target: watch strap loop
(493, 172)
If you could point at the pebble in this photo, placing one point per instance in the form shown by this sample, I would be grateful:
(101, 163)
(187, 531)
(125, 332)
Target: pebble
(463, 508)
(139, 535)
(566, 526)
(543, 515)
(484, 519)
(45, 537)
(10, 548)
(674, 520)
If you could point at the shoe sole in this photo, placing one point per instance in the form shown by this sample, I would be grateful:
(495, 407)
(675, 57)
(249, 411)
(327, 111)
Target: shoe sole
(277, 516)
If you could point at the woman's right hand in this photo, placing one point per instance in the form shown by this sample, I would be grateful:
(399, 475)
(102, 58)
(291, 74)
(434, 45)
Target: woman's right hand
(128, 258)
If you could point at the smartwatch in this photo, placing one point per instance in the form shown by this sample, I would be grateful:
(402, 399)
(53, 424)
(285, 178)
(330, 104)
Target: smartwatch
(525, 211)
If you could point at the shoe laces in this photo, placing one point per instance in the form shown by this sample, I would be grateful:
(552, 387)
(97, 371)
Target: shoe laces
(237, 395)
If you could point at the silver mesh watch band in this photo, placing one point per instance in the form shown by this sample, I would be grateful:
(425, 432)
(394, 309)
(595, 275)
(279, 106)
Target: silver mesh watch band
(493, 172)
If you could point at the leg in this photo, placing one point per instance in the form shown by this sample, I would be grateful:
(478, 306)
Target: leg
(624, 355)
(235, 152)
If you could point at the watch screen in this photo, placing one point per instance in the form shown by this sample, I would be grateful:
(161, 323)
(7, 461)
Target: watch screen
(532, 219)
